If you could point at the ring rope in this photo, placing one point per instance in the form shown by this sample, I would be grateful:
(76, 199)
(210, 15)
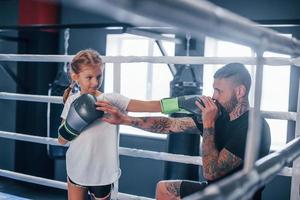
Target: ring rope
(33, 179)
(196, 160)
(31, 98)
(30, 138)
(58, 100)
(292, 116)
(274, 61)
(123, 151)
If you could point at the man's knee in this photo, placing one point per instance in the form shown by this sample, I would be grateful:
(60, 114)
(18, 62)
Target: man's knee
(160, 188)
(168, 190)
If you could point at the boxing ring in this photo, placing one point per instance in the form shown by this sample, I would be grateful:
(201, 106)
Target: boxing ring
(284, 171)
(215, 22)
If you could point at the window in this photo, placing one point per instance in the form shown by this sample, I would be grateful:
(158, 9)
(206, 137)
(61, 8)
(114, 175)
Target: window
(145, 81)
(271, 100)
(275, 97)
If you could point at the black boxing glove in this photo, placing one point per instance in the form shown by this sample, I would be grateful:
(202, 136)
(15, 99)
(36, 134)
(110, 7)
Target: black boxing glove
(184, 103)
(82, 113)
(181, 103)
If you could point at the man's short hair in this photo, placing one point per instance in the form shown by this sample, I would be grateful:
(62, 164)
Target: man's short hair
(237, 72)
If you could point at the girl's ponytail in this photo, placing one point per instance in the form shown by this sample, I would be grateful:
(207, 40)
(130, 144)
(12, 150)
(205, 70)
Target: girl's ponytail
(67, 92)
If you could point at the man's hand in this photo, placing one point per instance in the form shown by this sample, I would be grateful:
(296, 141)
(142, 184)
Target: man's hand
(115, 116)
(209, 111)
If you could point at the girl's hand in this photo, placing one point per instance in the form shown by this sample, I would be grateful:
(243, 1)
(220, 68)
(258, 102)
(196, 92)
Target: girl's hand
(62, 141)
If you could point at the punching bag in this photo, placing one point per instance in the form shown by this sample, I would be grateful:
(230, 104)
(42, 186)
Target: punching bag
(57, 88)
(184, 83)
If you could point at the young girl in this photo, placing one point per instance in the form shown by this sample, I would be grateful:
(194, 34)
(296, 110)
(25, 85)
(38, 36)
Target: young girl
(92, 158)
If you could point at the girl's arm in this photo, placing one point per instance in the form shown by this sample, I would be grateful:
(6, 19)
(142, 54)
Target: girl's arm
(143, 106)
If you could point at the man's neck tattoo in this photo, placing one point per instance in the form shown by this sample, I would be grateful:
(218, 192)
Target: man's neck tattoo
(241, 107)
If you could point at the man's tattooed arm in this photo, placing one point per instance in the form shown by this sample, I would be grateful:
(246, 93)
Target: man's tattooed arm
(163, 124)
(216, 164)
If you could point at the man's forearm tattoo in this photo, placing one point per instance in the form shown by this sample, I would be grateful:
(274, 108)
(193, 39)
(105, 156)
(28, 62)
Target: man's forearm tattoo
(186, 125)
(209, 147)
(152, 124)
(165, 125)
(209, 153)
(160, 125)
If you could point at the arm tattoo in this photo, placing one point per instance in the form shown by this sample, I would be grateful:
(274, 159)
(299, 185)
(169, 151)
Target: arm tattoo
(209, 153)
(152, 124)
(164, 124)
(239, 109)
(174, 188)
(185, 124)
(216, 164)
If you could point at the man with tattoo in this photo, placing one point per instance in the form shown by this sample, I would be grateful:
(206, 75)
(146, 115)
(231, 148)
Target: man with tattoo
(223, 125)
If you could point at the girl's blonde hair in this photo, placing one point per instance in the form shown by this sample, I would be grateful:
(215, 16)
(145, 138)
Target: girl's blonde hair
(82, 58)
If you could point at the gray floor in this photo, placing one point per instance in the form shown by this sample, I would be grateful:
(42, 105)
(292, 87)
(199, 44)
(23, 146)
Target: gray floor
(16, 190)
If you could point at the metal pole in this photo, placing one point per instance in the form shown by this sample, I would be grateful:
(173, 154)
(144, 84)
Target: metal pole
(198, 17)
(254, 127)
(117, 77)
(164, 53)
(295, 185)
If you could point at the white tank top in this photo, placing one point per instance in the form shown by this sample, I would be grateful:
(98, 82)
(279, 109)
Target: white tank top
(93, 157)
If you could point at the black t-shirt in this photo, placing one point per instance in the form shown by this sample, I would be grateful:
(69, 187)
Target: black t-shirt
(232, 136)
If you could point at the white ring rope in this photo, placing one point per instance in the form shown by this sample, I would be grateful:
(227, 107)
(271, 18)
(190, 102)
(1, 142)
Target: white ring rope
(274, 61)
(123, 196)
(58, 100)
(31, 98)
(196, 160)
(123, 151)
(29, 138)
(56, 184)
(33, 179)
(292, 116)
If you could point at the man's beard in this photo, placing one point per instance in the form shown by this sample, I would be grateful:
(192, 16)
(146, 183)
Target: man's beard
(231, 104)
